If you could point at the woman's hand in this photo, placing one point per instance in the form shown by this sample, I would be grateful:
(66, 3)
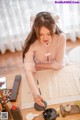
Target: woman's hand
(38, 67)
(39, 100)
(42, 66)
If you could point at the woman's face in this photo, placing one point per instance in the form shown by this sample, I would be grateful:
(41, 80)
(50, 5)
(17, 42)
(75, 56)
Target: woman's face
(45, 36)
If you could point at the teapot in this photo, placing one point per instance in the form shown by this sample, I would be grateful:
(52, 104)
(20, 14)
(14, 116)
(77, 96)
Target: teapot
(50, 114)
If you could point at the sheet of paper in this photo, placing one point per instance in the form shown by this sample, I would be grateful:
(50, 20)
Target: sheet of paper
(2, 82)
(55, 86)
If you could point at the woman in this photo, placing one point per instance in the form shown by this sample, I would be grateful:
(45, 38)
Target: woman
(44, 49)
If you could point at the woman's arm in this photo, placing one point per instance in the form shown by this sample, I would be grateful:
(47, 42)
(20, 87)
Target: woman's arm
(42, 66)
(30, 79)
(37, 98)
(29, 66)
(54, 65)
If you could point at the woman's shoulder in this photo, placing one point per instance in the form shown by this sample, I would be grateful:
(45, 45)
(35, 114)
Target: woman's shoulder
(62, 36)
(60, 39)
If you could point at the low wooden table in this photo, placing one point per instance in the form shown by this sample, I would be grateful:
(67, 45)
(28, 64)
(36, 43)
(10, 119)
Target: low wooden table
(69, 117)
(32, 110)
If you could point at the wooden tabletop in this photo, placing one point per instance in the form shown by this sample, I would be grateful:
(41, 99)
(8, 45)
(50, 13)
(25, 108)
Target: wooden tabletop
(69, 117)
(33, 111)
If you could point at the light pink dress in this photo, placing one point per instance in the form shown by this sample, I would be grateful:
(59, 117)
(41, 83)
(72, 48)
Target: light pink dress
(41, 53)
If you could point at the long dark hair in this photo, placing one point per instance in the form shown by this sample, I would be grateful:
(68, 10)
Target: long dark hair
(42, 19)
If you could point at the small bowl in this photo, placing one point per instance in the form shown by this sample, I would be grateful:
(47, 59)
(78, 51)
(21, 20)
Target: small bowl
(50, 114)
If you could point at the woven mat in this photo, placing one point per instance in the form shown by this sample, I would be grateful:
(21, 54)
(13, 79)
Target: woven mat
(55, 86)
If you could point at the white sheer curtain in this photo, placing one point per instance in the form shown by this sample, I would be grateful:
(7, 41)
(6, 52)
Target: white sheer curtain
(15, 20)
(69, 19)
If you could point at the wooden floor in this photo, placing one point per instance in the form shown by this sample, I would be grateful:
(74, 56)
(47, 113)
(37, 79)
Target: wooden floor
(11, 63)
